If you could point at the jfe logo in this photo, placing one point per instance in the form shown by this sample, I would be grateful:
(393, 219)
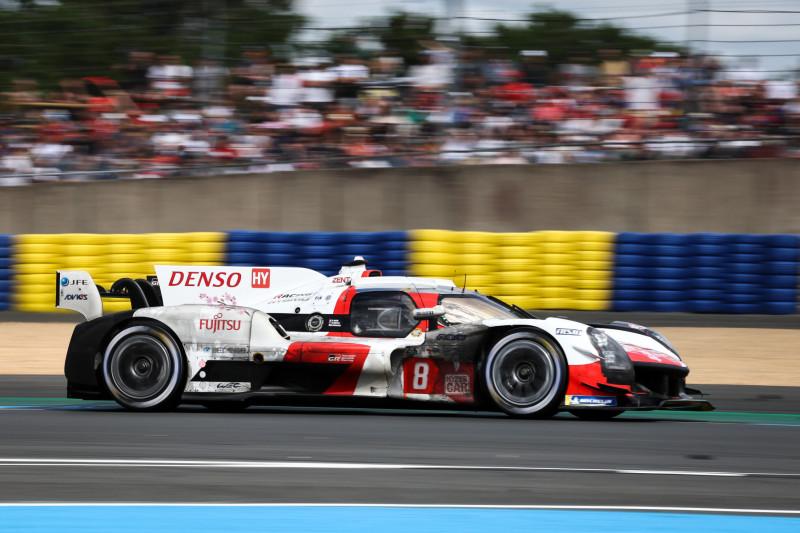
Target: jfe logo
(66, 281)
(260, 278)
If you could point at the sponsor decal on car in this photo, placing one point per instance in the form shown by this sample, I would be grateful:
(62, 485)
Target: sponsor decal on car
(590, 401)
(195, 278)
(340, 280)
(218, 323)
(217, 349)
(457, 384)
(315, 323)
(260, 278)
(341, 358)
(567, 331)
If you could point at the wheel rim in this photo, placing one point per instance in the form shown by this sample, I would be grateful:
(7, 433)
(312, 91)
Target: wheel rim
(524, 373)
(141, 367)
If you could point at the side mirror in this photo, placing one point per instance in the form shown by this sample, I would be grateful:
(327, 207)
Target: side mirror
(429, 312)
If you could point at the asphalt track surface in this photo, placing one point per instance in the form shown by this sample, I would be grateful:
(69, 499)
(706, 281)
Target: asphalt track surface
(53, 449)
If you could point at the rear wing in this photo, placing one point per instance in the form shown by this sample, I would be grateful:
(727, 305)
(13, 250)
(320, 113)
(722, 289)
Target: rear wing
(77, 291)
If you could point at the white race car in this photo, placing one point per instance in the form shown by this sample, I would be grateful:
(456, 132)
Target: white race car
(232, 336)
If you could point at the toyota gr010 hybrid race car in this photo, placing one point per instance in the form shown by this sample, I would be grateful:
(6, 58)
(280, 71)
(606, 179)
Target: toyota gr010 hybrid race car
(230, 336)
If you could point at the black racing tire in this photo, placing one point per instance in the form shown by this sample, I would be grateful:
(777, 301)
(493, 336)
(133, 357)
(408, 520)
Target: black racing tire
(226, 406)
(526, 374)
(144, 368)
(596, 414)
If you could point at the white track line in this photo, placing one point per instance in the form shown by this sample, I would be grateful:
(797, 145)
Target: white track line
(635, 508)
(321, 465)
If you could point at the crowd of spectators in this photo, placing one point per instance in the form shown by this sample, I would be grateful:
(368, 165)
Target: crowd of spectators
(157, 116)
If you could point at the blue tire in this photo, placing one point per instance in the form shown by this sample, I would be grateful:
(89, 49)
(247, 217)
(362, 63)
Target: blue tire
(781, 282)
(632, 272)
(782, 268)
(706, 306)
(629, 305)
(6, 262)
(783, 241)
(631, 294)
(707, 284)
(270, 259)
(709, 238)
(632, 260)
(781, 308)
(706, 294)
(746, 268)
(666, 261)
(624, 284)
(667, 284)
(783, 254)
(709, 249)
(243, 236)
(752, 279)
(670, 307)
(632, 248)
(244, 247)
(679, 240)
(633, 238)
(716, 261)
(242, 258)
(771, 295)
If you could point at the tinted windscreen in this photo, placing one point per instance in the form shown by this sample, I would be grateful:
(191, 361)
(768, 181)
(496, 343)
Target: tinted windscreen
(468, 309)
(382, 314)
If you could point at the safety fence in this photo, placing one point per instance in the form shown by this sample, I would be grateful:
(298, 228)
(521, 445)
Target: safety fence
(580, 270)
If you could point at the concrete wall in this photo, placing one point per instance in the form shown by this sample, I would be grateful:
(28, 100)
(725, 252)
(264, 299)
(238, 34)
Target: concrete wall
(749, 196)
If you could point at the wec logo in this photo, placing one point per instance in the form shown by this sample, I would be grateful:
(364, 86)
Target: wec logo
(260, 278)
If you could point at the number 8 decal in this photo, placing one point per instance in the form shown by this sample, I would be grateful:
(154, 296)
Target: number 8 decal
(419, 376)
(421, 372)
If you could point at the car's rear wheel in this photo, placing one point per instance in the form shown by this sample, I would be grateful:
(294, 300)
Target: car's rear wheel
(526, 375)
(596, 414)
(144, 368)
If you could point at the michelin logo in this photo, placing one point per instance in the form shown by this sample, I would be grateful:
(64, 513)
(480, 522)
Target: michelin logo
(591, 401)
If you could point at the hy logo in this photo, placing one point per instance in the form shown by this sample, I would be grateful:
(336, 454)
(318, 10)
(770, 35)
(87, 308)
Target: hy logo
(260, 278)
(64, 281)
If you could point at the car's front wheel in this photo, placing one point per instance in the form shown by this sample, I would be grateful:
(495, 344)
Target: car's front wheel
(144, 368)
(526, 375)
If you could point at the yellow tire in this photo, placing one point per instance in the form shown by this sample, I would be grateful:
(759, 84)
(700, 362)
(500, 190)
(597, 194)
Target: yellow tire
(35, 258)
(210, 237)
(516, 239)
(38, 268)
(488, 249)
(432, 271)
(527, 264)
(477, 280)
(581, 283)
(477, 237)
(592, 305)
(515, 276)
(516, 252)
(432, 235)
(48, 248)
(433, 258)
(436, 247)
(557, 247)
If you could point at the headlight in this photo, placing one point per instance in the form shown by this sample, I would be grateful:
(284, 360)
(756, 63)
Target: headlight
(650, 333)
(614, 359)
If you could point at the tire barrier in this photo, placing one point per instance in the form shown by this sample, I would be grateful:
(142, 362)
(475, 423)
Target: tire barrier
(107, 257)
(535, 270)
(706, 273)
(6, 282)
(581, 270)
(325, 252)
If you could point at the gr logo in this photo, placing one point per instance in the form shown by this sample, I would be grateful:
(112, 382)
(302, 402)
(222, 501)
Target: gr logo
(260, 278)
